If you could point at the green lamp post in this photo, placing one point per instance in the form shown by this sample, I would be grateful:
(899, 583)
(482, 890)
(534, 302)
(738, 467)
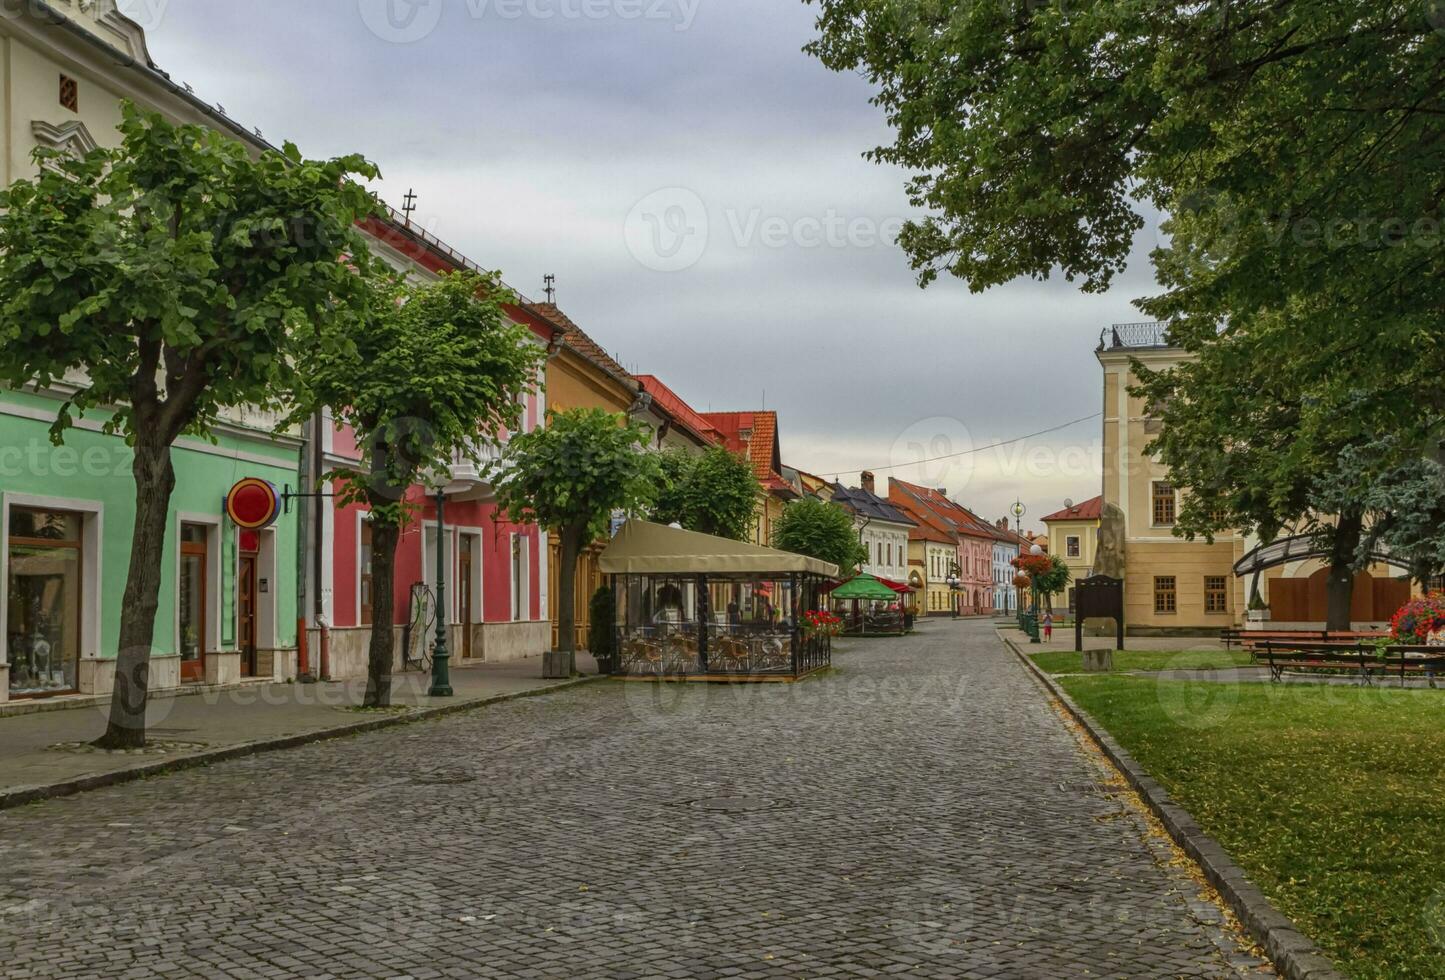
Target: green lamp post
(441, 679)
(1032, 622)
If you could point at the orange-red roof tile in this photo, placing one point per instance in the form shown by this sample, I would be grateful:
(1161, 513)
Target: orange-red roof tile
(1089, 510)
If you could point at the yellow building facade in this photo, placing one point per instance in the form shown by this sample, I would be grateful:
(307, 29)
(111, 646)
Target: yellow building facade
(1169, 583)
(1174, 584)
(1074, 537)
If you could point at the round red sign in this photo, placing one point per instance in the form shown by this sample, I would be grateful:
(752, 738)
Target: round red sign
(253, 504)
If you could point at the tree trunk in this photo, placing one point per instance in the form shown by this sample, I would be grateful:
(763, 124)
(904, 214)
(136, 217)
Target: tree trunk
(384, 536)
(1341, 583)
(155, 479)
(567, 595)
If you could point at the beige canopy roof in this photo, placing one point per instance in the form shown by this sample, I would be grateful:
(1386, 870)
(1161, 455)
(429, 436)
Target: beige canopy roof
(643, 548)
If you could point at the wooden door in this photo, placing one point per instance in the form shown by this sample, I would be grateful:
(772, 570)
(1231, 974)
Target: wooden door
(191, 602)
(246, 613)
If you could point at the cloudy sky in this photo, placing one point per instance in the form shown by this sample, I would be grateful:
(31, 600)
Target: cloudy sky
(696, 184)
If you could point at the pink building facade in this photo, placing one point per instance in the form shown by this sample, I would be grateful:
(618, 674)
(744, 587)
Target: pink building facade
(495, 604)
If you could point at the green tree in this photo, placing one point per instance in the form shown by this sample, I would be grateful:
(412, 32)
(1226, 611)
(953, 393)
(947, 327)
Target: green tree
(177, 274)
(714, 493)
(820, 530)
(430, 376)
(1295, 148)
(570, 477)
(1049, 575)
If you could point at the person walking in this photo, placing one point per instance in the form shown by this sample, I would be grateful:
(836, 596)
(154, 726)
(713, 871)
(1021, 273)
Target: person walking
(1049, 626)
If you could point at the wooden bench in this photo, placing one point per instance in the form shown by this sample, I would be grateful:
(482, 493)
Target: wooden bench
(1250, 638)
(1363, 659)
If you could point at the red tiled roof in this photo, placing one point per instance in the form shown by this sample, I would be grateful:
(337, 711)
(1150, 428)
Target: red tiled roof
(959, 518)
(680, 411)
(1089, 510)
(761, 446)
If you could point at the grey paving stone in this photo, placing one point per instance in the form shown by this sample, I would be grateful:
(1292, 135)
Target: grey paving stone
(921, 812)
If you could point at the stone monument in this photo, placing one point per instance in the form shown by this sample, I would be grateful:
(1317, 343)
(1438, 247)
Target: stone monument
(1108, 560)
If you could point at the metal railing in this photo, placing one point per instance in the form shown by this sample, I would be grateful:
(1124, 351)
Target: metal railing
(1135, 336)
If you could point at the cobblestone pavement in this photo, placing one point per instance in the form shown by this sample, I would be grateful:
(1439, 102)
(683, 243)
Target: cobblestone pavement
(921, 811)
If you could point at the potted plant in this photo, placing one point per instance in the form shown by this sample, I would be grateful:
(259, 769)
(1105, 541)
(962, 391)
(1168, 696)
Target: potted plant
(1258, 609)
(602, 631)
(821, 622)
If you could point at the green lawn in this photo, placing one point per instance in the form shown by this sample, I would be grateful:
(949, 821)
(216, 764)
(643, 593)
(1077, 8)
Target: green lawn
(1069, 662)
(1331, 798)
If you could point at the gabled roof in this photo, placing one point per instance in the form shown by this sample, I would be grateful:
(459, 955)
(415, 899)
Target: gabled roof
(869, 505)
(956, 517)
(755, 435)
(577, 340)
(1089, 510)
(670, 403)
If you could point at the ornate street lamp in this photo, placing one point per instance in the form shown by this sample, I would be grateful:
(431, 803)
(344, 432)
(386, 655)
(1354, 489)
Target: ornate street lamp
(441, 680)
(1019, 510)
(954, 584)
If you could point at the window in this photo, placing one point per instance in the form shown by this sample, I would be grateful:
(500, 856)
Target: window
(1071, 546)
(890, 553)
(1163, 504)
(1216, 594)
(43, 583)
(69, 93)
(520, 605)
(363, 564)
(1166, 599)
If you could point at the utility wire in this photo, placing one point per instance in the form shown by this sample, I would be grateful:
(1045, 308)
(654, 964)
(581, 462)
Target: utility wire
(968, 452)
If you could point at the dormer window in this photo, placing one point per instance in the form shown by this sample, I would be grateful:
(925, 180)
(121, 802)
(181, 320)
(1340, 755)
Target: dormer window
(69, 93)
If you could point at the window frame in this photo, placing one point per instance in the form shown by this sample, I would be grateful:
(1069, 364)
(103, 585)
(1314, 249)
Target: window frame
(1219, 592)
(1157, 497)
(1166, 596)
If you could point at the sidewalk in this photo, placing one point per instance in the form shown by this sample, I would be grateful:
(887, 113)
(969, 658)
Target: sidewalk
(1064, 640)
(191, 729)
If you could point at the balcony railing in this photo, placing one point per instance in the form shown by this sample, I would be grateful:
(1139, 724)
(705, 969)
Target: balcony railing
(1135, 336)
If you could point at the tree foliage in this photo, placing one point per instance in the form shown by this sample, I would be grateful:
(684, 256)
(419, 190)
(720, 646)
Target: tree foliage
(1049, 574)
(1296, 149)
(169, 279)
(432, 374)
(820, 530)
(714, 493)
(569, 477)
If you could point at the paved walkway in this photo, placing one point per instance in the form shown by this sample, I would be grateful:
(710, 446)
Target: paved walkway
(219, 719)
(922, 811)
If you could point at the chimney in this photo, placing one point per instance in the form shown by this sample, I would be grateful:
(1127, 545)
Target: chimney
(941, 491)
(867, 478)
(1002, 524)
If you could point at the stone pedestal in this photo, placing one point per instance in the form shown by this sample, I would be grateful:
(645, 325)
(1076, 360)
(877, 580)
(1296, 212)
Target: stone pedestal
(1098, 661)
(223, 668)
(556, 665)
(97, 676)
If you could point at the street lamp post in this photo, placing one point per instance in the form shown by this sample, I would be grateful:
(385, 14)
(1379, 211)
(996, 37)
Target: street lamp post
(953, 584)
(1019, 510)
(441, 680)
(1033, 622)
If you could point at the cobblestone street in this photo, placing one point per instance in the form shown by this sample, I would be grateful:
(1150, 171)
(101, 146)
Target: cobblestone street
(921, 811)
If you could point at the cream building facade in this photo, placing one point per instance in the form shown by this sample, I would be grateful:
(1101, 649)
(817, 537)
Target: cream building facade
(1074, 537)
(1172, 584)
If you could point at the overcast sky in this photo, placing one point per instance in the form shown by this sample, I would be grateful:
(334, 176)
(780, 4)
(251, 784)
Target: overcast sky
(696, 184)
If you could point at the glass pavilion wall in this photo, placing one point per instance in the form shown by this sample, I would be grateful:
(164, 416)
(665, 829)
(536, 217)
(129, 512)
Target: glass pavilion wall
(719, 624)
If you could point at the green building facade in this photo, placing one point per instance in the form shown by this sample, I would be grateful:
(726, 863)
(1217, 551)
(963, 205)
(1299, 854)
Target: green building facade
(228, 596)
